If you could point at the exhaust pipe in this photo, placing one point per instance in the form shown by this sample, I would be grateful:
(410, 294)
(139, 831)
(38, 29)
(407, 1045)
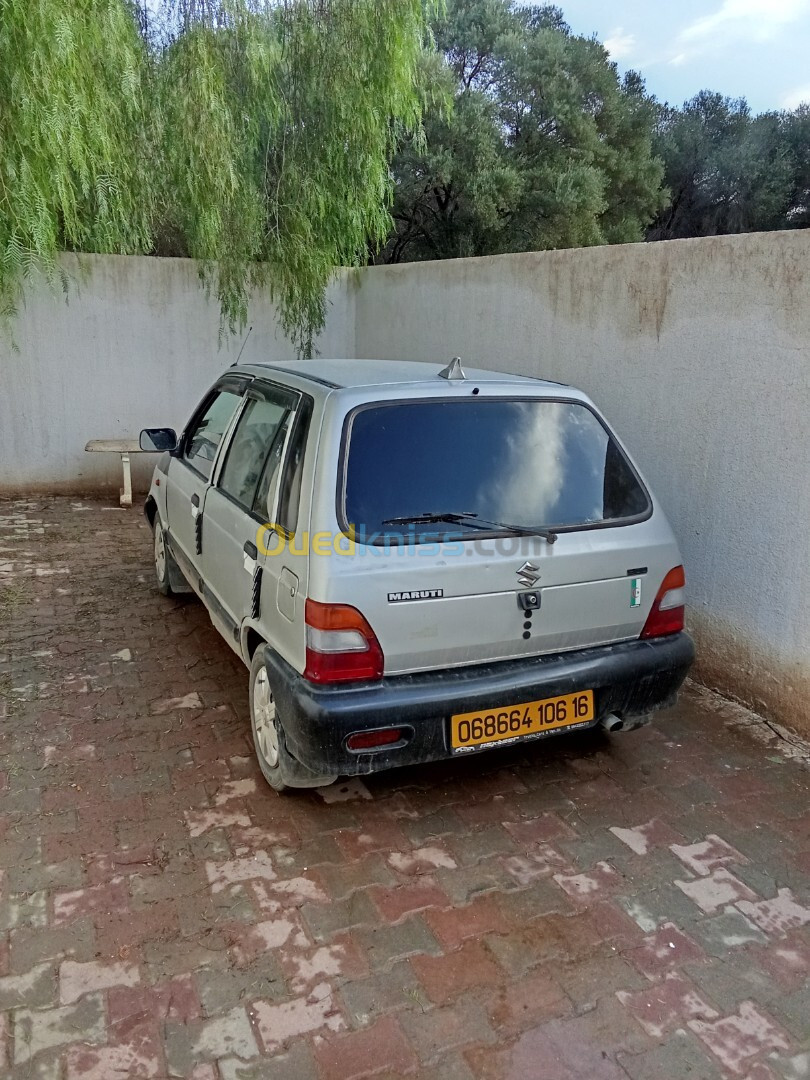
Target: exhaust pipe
(612, 722)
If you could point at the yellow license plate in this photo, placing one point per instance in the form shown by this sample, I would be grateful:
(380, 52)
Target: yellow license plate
(531, 720)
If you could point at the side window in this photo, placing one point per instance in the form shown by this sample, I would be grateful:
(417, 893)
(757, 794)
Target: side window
(290, 495)
(204, 438)
(266, 492)
(256, 432)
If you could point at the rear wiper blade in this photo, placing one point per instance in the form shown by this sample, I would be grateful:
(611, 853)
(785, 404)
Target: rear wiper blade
(523, 530)
(463, 519)
(431, 519)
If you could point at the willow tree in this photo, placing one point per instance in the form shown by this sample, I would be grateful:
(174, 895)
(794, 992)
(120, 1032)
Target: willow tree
(253, 136)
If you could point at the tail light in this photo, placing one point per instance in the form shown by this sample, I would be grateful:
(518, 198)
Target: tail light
(666, 616)
(340, 644)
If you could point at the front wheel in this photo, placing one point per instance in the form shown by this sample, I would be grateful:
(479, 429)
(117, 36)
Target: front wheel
(280, 769)
(162, 556)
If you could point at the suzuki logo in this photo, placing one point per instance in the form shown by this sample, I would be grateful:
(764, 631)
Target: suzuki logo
(528, 575)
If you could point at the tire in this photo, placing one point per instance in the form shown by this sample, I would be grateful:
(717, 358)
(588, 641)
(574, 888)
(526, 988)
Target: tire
(162, 558)
(280, 769)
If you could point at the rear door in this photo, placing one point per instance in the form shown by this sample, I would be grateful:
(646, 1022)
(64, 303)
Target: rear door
(452, 592)
(231, 558)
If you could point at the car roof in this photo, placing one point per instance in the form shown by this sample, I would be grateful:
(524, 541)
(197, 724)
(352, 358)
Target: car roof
(343, 374)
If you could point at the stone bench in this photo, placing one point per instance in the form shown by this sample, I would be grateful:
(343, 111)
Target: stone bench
(124, 447)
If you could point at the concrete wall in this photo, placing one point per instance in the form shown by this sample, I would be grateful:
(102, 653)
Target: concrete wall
(699, 352)
(135, 345)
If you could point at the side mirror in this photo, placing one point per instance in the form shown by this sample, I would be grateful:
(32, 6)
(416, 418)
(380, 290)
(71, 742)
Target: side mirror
(156, 440)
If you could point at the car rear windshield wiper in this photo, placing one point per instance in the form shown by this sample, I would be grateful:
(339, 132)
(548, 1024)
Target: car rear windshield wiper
(432, 519)
(522, 530)
(462, 519)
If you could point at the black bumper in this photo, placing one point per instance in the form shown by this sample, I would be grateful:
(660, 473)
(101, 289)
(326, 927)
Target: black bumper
(629, 679)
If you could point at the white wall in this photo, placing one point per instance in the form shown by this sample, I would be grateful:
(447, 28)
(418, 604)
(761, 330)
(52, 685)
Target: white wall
(135, 345)
(699, 352)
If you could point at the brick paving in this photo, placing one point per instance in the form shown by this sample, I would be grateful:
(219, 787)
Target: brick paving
(628, 907)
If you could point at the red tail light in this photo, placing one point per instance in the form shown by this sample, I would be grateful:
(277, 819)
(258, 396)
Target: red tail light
(666, 616)
(340, 644)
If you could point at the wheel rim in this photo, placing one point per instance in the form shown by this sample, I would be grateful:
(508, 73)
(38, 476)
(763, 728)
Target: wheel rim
(264, 719)
(160, 554)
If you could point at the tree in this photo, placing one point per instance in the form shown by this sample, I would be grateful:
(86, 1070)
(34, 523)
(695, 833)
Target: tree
(544, 146)
(252, 135)
(796, 126)
(727, 171)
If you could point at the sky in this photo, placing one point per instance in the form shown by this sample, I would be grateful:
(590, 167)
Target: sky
(756, 49)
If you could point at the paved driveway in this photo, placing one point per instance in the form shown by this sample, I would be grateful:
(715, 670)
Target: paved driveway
(594, 908)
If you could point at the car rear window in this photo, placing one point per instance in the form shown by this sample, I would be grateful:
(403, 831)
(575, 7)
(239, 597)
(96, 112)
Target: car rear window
(529, 463)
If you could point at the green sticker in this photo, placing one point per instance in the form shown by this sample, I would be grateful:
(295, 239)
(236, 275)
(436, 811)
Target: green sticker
(635, 592)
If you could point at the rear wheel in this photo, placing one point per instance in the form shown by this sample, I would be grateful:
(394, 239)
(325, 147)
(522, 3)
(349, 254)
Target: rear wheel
(280, 769)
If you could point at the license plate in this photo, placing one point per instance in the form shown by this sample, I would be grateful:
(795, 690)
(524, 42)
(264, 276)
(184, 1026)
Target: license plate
(531, 720)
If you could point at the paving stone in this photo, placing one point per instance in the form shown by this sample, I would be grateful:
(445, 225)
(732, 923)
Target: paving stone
(44, 1029)
(733, 981)
(777, 916)
(222, 989)
(462, 884)
(470, 847)
(78, 979)
(36, 876)
(35, 988)
(546, 1053)
(282, 1023)
(715, 891)
(527, 1002)
(296, 1064)
(382, 1047)
(228, 1035)
(589, 980)
(793, 1011)
(427, 826)
(650, 907)
(681, 1056)
(435, 1031)
(24, 910)
(366, 999)
(481, 916)
(323, 920)
(795, 1067)
(734, 1040)
(445, 977)
(729, 930)
(343, 880)
(385, 944)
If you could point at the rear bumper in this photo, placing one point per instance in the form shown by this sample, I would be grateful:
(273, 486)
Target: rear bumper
(629, 679)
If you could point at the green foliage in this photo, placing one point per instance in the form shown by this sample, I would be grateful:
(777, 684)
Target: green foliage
(544, 145)
(731, 172)
(251, 135)
(71, 135)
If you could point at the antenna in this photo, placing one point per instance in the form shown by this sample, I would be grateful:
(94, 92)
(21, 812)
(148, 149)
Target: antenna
(453, 371)
(244, 343)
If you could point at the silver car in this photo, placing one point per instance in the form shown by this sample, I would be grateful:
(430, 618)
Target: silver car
(418, 562)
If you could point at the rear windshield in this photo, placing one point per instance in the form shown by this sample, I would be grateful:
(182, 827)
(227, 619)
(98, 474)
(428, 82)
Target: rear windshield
(538, 463)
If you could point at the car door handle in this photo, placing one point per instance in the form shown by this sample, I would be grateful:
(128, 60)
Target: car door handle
(251, 550)
(195, 499)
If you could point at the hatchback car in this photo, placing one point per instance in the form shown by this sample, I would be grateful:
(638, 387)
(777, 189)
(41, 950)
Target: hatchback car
(418, 563)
